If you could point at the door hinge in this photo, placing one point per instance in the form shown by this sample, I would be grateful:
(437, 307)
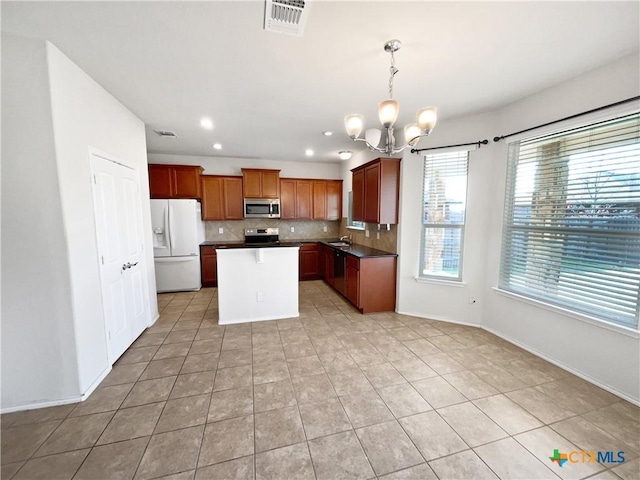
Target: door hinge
(109, 335)
(95, 182)
(102, 259)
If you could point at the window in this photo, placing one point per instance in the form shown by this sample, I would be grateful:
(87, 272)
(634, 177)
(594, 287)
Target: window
(443, 213)
(571, 234)
(351, 223)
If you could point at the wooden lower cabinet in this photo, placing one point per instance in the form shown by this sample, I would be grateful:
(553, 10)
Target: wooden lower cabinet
(208, 266)
(309, 261)
(353, 280)
(326, 268)
(370, 282)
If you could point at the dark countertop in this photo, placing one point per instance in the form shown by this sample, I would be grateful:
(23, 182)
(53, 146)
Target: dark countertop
(360, 251)
(240, 244)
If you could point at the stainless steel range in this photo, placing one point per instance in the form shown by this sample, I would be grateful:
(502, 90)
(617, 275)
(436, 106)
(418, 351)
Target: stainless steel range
(261, 236)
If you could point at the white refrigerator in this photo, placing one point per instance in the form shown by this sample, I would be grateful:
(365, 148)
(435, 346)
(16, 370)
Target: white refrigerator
(178, 231)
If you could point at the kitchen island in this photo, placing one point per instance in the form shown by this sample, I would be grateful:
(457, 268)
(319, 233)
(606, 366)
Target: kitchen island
(257, 282)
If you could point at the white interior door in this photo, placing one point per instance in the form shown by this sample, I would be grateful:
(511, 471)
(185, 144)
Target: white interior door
(121, 250)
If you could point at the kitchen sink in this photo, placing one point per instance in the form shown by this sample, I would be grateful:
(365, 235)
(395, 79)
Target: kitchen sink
(339, 244)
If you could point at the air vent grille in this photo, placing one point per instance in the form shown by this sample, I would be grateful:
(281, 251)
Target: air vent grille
(286, 16)
(166, 134)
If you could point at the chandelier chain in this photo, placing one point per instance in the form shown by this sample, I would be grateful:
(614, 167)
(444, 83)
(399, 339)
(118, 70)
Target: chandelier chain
(393, 70)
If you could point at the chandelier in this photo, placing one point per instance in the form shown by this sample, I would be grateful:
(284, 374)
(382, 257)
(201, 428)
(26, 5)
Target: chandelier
(388, 114)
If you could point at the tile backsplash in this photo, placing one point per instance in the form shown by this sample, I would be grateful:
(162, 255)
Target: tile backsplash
(234, 230)
(388, 240)
(303, 229)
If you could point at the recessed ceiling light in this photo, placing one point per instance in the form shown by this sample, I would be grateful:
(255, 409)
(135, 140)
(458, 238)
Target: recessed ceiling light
(217, 146)
(308, 152)
(345, 155)
(206, 123)
(327, 133)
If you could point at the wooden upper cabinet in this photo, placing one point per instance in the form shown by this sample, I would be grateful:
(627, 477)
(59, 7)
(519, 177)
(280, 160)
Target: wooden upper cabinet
(222, 198)
(334, 199)
(287, 198)
(174, 181)
(260, 183)
(372, 194)
(302, 198)
(357, 199)
(320, 199)
(376, 189)
(233, 199)
(212, 202)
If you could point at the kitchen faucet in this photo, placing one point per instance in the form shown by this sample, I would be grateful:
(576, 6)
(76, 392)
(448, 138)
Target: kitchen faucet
(346, 238)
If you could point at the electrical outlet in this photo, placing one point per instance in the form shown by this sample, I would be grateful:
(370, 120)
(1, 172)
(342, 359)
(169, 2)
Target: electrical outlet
(473, 299)
(378, 235)
(220, 230)
(324, 229)
(260, 297)
(366, 233)
(293, 229)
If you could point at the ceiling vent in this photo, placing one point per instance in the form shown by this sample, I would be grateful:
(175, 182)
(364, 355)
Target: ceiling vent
(286, 16)
(166, 134)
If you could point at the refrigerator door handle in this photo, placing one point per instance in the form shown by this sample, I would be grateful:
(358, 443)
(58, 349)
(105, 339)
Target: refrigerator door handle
(171, 236)
(167, 233)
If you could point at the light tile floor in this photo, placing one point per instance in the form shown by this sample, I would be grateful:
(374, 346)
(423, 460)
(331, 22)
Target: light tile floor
(332, 394)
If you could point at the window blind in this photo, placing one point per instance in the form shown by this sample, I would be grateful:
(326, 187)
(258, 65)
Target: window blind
(443, 214)
(571, 232)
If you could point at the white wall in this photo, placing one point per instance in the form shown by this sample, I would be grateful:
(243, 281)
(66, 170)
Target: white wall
(610, 358)
(233, 166)
(53, 333)
(87, 116)
(447, 300)
(38, 352)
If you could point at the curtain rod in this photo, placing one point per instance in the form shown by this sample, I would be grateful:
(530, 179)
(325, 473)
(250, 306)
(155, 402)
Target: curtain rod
(497, 139)
(478, 143)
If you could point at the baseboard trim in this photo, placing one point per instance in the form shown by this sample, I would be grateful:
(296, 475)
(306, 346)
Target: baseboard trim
(439, 319)
(597, 383)
(64, 401)
(577, 373)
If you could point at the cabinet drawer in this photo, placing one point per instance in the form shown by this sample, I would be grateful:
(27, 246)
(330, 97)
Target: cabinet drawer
(353, 262)
(309, 247)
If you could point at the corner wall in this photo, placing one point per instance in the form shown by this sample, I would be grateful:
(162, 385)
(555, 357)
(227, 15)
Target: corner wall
(609, 357)
(38, 341)
(53, 330)
(85, 116)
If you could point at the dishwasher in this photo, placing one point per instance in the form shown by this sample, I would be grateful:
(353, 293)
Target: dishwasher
(339, 271)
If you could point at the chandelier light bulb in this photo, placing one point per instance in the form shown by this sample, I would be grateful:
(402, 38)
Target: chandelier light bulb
(372, 136)
(354, 125)
(412, 133)
(427, 118)
(388, 112)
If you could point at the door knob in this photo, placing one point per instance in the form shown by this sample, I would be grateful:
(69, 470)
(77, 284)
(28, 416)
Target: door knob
(128, 265)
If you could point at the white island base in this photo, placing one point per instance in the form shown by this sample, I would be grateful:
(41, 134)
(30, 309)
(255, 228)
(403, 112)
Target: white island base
(257, 284)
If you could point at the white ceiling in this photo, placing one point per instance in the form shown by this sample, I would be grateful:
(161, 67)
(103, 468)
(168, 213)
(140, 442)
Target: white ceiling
(271, 95)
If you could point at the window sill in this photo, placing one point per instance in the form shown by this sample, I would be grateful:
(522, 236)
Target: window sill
(440, 281)
(628, 331)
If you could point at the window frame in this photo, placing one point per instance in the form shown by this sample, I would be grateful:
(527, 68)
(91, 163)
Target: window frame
(435, 277)
(505, 271)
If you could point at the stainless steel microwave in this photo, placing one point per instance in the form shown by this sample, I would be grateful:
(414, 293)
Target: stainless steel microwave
(261, 208)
